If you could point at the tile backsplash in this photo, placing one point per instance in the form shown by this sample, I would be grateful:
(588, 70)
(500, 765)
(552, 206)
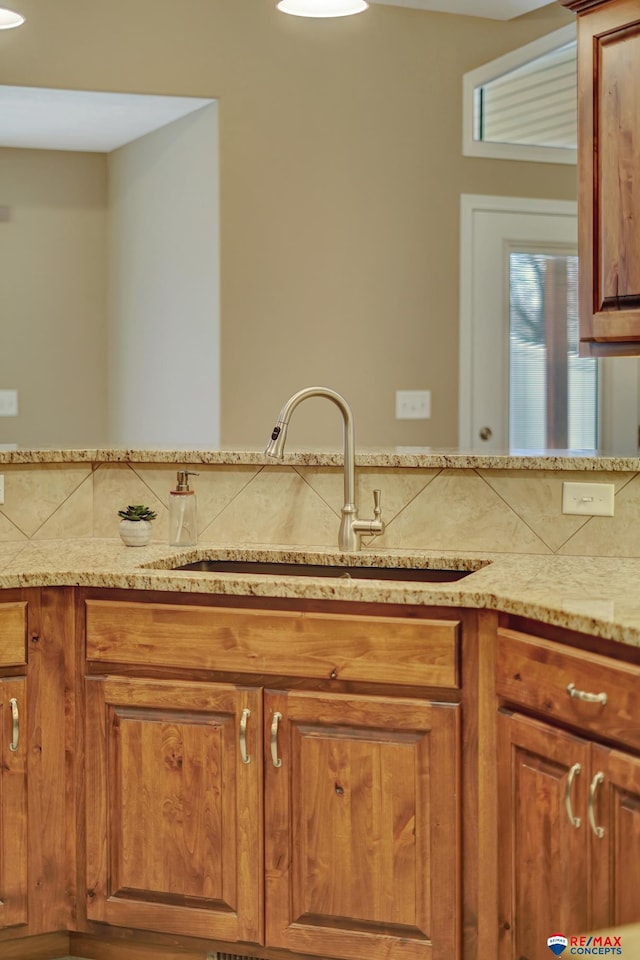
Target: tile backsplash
(461, 509)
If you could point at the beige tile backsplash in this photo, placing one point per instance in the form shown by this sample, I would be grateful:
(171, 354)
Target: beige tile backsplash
(493, 510)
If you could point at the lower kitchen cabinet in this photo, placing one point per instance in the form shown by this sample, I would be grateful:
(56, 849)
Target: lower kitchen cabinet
(544, 860)
(361, 826)
(568, 805)
(324, 780)
(615, 837)
(34, 845)
(173, 783)
(360, 805)
(14, 876)
(267, 810)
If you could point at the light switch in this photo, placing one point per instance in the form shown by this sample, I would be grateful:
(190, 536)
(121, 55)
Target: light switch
(8, 403)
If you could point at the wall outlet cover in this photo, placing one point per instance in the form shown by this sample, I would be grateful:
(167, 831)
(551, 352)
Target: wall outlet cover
(588, 499)
(413, 404)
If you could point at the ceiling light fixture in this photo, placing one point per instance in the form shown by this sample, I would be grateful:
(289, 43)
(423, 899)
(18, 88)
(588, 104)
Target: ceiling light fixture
(9, 19)
(322, 8)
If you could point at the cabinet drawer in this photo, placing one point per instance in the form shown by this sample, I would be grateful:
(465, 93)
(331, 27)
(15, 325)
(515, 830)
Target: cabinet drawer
(542, 675)
(313, 645)
(13, 634)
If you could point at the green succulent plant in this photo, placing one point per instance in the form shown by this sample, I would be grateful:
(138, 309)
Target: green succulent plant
(138, 512)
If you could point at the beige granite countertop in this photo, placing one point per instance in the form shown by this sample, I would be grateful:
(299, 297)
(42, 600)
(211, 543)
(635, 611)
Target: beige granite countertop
(396, 457)
(598, 596)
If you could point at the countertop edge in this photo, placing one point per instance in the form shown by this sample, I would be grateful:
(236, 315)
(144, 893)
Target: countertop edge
(391, 458)
(594, 596)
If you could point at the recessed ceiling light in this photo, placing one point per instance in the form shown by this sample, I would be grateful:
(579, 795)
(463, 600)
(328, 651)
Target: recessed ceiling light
(322, 8)
(9, 19)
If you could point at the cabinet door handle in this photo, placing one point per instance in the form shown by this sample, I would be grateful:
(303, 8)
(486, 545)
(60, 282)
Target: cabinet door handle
(15, 725)
(573, 773)
(600, 698)
(246, 713)
(275, 720)
(595, 783)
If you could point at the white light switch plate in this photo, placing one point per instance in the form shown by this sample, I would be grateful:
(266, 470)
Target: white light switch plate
(413, 404)
(588, 499)
(8, 403)
(1, 488)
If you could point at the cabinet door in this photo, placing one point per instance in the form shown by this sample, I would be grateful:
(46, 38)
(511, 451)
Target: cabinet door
(543, 852)
(13, 803)
(173, 813)
(609, 169)
(614, 827)
(362, 826)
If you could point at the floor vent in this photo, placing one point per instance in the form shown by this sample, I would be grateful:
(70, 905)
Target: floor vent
(232, 956)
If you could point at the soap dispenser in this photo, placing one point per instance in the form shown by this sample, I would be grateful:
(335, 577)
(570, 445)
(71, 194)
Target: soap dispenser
(183, 530)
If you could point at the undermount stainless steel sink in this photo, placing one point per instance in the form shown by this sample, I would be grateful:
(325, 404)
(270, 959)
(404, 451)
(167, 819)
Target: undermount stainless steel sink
(275, 568)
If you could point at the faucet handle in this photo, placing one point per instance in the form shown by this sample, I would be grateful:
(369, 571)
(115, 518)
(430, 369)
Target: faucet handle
(377, 504)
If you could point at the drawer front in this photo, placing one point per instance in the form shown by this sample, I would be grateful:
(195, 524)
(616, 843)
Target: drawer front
(13, 634)
(313, 645)
(570, 686)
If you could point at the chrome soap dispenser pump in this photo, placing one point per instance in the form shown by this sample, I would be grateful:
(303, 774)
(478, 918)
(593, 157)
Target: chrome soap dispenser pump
(183, 513)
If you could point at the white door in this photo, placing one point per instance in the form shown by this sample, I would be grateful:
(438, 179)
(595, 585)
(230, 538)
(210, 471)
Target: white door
(499, 408)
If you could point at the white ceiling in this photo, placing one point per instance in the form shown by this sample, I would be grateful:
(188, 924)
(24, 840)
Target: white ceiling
(79, 120)
(100, 122)
(492, 9)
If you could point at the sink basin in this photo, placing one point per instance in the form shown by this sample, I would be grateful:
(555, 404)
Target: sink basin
(275, 568)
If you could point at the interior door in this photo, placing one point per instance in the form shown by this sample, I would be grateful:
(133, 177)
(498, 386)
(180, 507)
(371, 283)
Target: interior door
(494, 232)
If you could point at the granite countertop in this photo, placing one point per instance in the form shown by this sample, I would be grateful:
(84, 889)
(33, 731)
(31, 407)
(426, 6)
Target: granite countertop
(598, 596)
(425, 457)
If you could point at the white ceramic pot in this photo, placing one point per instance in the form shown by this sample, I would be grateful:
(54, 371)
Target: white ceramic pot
(135, 533)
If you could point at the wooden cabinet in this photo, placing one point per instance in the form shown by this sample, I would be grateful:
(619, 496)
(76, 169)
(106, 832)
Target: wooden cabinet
(223, 807)
(174, 813)
(33, 839)
(14, 906)
(609, 174)
(13, 803)
(569, 805)
(361, 826)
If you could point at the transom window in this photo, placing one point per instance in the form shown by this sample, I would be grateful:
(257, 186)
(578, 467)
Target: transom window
(523, 106)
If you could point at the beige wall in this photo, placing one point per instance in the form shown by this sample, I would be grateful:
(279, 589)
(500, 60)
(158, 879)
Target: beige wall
(341, 172)
(52, 296)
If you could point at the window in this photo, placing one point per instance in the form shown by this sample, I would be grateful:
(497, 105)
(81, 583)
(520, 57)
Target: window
(523, 106)
(553, 392)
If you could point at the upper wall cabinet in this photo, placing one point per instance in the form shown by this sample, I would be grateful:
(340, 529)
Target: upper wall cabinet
(609, 174)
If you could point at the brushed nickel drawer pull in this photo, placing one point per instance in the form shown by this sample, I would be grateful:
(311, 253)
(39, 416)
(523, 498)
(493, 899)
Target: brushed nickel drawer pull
(573, 773)
(246, 713)
(600, 698)
(275, 759)
(15, 725)
(595, 783)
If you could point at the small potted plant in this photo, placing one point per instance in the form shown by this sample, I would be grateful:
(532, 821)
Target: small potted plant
(135, 525)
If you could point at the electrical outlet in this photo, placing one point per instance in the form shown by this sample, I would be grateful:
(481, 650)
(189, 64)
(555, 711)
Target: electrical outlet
(8, 403)
(1, 488)
(413, 404)
(588, 499)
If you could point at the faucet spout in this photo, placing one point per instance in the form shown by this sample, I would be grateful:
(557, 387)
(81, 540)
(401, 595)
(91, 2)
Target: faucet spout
(351, 527)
